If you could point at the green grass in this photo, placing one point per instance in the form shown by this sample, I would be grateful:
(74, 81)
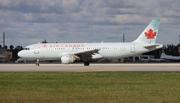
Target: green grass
(95, 87)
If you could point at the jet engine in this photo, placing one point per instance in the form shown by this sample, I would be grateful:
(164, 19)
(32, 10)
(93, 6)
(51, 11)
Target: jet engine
(68, 58)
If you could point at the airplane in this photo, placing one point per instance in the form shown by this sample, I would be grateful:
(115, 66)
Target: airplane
(163, 58)
(169, 57)
(147, 58)
(68, 53)
(144, 58)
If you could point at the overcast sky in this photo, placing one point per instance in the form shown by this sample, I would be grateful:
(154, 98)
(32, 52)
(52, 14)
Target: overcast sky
(31, 21)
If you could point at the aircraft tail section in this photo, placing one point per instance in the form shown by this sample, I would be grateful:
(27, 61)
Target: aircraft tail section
(150, 33)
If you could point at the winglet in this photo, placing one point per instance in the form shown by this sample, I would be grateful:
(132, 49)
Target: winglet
(149, 35)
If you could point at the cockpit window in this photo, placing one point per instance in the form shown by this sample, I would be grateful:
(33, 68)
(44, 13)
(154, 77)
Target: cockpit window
(26, 49)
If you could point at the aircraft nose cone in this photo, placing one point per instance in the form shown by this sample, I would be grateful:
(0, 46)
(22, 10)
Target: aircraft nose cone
(20, 54)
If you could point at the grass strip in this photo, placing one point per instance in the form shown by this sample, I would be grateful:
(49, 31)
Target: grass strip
(94, 87)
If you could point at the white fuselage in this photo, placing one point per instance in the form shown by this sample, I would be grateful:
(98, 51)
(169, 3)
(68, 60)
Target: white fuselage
(53, 51)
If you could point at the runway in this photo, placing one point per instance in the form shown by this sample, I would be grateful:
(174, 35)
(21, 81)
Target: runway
(134, 67)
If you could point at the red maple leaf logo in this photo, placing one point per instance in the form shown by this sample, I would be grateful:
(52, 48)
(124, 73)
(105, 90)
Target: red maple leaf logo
(150, 34)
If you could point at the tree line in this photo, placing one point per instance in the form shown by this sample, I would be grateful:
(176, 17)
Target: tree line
(171, 49)
(14, 51)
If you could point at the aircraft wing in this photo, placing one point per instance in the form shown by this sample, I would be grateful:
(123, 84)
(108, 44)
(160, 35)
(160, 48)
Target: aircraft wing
(86, 54)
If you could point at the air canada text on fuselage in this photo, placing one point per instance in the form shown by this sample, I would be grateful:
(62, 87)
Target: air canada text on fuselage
(63, 45)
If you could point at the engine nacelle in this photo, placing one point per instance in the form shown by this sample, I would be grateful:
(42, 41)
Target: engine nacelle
(67, 58)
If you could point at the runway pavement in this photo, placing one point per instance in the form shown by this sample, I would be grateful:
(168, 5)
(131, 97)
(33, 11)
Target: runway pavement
(161, 67)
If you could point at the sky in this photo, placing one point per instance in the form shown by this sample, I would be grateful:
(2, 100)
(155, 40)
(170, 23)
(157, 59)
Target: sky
(31, 21)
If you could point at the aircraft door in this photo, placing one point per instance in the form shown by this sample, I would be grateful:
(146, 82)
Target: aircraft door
(36, 49)
(132, 48)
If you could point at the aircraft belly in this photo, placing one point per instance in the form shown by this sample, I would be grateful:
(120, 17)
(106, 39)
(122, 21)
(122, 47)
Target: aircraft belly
(50, 55)
(112, 54)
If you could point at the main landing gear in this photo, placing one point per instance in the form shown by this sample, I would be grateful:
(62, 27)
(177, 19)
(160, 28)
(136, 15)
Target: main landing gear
(86, 63)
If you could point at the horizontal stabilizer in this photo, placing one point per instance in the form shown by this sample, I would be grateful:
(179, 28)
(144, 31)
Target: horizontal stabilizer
(157, 46)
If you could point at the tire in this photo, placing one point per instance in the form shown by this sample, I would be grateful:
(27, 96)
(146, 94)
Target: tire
(86, 63)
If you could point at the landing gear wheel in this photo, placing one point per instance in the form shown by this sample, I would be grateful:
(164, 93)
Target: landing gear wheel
(86, 63)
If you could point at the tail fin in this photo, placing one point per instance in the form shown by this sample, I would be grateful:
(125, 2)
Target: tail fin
(150, 33)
